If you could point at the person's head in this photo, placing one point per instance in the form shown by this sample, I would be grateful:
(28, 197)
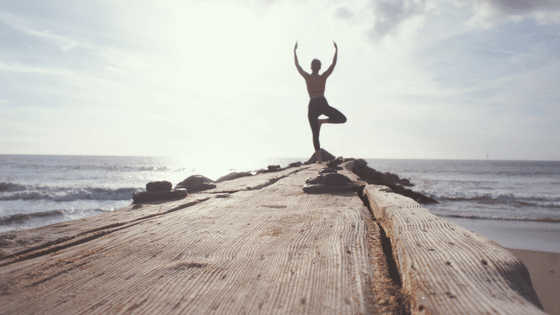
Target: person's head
(315, 65)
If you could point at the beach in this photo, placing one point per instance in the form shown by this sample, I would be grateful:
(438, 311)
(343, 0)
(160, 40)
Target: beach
(544, 268)
(517, 209)
(536, 244)
(528, 235)
(259, 244)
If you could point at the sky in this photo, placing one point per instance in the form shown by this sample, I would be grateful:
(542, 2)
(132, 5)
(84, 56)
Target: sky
(215, 79)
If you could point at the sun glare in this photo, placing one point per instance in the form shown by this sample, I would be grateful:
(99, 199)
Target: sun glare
(217, 49)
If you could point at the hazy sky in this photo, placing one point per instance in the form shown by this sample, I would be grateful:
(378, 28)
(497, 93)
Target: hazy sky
(452, 79)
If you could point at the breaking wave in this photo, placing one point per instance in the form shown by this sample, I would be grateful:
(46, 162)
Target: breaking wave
(482, 217)
(14, 191)
(515, 201)
(21, 218)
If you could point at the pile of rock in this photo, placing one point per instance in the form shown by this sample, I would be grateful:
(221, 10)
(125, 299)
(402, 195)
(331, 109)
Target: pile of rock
(159, 191)
(233, 175)
(295, 164)
(325, 156)
(196, 183)
(361, 169)
(392, 181)
(273, 168)
(270, 169)
(330, 181)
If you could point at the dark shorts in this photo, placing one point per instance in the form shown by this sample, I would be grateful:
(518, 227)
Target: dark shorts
(317, 107)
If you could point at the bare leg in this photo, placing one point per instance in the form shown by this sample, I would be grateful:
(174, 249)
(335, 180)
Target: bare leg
(319, 157)
(318, 152)
(322, 121)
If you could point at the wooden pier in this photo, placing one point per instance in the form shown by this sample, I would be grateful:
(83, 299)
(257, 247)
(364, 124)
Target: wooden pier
(260, 245)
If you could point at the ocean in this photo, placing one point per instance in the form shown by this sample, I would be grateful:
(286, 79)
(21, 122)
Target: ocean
(40, 190)
(37, 190)
(483, 189)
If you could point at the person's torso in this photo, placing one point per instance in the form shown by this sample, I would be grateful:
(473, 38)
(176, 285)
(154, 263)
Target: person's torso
(316, 85)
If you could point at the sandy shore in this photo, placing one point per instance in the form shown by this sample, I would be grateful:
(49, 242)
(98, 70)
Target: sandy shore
(536, 244)
(544, 268)
(539, 236)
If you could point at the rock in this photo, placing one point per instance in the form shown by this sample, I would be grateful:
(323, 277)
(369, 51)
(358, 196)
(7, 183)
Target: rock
(361, 169)
(274, 168)
(158, 186)
(396, 179)
(295, 164)
(416, 196)
(329, 183)
(317, 180)
(390, 180)
(326, 189)
(327, 170)
(166, 195)
(196, 183)
(336, 168)
(331, 179)
(233, 175)
(336, 179)
(326, 156)
(336, 162)
(360, 163)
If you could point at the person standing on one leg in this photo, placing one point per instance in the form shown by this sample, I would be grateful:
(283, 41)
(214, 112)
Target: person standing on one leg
(318, 104)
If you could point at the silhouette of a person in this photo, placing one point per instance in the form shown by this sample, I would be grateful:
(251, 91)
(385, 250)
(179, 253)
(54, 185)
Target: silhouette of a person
(318, 104)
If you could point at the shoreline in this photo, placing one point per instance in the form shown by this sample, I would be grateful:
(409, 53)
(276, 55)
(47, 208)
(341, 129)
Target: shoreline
(66, 198)
(536, 244)
(217, 226)
(521, 235)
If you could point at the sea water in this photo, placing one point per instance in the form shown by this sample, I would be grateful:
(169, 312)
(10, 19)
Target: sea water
(514, 203)
(493, 190)
(40, 190)
(37, 190)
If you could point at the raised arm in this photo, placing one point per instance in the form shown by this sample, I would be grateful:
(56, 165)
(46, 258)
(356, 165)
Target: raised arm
(299, 69)
(331, 68)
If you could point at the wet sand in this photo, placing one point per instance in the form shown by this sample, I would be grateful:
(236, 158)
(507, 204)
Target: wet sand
(529, 235)
(536, 244)
(544, 268)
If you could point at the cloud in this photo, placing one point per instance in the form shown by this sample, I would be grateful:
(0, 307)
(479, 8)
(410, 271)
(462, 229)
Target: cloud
(489, 13)
(22, 25)
(19, 68)
(523, 7)
(343, 13)
(389, 15)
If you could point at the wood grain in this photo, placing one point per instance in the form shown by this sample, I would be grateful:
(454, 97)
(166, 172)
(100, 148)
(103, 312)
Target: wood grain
(447, 269)
(27, 241)
(268, 250)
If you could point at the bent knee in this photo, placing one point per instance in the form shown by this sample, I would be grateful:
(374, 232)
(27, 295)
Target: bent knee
(338, 120)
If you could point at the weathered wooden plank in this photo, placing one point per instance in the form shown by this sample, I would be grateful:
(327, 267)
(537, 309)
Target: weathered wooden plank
(447, 269)
(15, 244)
(254, 182)
(273, 250)
(45, 238)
